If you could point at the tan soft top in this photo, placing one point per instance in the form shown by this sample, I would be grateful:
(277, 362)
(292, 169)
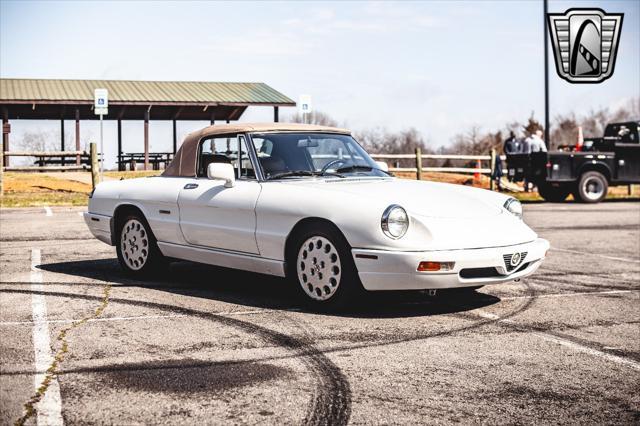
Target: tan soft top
(184, 163)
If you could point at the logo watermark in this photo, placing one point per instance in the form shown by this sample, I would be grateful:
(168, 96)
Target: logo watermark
(585, 43)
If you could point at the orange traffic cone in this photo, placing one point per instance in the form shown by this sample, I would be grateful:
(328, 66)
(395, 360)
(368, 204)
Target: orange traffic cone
(580, 139)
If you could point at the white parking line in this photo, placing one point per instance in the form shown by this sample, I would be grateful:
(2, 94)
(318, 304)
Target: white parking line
(48, 211)
(568, 343)
(585, 253)
(80, 214)
(585, 349)
(49, 408)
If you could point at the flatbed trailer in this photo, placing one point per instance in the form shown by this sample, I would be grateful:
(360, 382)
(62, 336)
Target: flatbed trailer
(587, 171)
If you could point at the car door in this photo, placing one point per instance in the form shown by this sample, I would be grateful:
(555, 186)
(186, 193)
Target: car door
(212, 215)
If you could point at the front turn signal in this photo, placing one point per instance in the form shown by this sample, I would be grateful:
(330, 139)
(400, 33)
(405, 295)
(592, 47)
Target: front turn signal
(435, 266)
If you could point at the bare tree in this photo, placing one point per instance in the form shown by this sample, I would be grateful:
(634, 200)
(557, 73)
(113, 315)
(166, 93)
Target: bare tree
(315, 117)
(565, 129)
(380, 141)
(475, 141)
(38, 140)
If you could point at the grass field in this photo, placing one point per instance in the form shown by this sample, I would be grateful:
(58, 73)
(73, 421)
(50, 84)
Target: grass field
(54, 189)
(72, 189)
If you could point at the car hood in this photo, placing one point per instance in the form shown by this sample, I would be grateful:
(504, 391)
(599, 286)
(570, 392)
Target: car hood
(419, 198)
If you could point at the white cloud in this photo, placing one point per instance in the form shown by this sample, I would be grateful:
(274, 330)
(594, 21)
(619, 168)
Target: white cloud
(264, 43)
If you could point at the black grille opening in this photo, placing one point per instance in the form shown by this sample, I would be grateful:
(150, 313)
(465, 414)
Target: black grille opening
(471, 273)
(479, 273)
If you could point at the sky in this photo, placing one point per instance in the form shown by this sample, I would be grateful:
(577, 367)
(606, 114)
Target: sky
(440, 67)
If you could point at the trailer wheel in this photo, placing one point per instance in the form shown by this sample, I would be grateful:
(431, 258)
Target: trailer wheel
(592, 187)
(553, 194)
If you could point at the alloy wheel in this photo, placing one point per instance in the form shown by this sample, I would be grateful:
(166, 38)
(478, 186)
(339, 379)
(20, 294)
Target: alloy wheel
(134, 243)
(319, 268)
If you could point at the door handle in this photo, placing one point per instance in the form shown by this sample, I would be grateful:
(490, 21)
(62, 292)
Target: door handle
(191, 186)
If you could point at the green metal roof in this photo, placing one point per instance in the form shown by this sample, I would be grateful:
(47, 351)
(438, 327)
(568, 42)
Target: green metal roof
(13, 90)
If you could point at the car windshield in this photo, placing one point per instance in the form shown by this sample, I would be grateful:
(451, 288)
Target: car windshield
(284, 155)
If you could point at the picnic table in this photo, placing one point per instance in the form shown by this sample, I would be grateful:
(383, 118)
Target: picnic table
(133, 158)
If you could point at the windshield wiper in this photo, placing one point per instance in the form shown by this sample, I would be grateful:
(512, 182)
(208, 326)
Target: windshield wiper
(302, 173)
(353, 168)
(291, 173)
(327, 173)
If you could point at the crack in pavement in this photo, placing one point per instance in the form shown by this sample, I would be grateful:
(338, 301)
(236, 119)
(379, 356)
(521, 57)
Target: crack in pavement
(331, 403)
(30, 407)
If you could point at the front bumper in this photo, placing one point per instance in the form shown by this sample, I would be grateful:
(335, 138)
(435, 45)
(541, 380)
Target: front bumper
(395, 270)
(99, 225)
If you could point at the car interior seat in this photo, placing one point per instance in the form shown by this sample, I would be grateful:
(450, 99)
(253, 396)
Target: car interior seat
(207, 159)
(273, 165)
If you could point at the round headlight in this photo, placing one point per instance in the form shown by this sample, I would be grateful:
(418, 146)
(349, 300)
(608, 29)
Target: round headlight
(514, 207)
(395, 221)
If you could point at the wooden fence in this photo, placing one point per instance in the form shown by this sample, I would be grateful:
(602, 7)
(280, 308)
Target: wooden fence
(86, 161)
(81, 159)
(91, 162)
(421, 159)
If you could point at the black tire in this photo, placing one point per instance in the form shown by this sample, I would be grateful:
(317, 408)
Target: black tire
(139, 256)
(592, 187)
(553, 194)
(319, 268)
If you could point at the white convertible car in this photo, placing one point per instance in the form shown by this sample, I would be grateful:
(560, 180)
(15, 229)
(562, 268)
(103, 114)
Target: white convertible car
(308, 203)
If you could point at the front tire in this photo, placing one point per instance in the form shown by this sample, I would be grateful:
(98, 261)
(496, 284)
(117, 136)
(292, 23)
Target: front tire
(553, 194)
(320, 265)
(592, 187)
(137, 248)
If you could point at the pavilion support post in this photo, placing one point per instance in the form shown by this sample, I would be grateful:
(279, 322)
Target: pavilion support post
(62, 134)
(175, 138)
(276, 114)
(213, 118)
(77, 135)
(5, 135)
(1, 171)
(146, 140)
(62, 159)
(120, 165)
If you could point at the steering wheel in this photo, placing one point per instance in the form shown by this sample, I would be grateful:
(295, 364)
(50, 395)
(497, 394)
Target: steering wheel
(331, 163)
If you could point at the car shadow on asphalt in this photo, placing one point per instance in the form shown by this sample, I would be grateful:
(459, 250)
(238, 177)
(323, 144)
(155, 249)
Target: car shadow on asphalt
(268, 292)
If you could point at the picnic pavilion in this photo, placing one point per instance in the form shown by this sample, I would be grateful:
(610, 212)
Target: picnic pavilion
(44, 99)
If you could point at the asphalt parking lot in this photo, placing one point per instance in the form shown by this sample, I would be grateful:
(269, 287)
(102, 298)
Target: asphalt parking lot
(208, 346)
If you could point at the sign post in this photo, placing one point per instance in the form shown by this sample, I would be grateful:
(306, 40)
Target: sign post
(305, 107)
(101, 108)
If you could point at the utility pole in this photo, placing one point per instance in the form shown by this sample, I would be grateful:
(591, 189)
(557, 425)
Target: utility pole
(546, 74)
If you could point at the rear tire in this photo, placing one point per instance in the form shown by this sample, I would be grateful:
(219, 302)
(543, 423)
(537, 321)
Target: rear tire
(320, 265)
(137, 248)
(592, 187)
(553, 194)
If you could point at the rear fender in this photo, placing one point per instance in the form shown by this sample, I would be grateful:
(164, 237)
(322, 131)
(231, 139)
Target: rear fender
(595, 166)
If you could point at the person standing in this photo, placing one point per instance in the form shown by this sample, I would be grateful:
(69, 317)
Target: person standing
(512, 145)
(532, 144)
(536, 144)
(497, 172)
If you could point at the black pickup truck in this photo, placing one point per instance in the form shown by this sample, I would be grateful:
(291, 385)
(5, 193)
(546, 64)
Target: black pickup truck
(586, 171)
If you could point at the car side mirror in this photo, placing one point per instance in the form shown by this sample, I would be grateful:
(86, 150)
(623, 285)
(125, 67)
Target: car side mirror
(222, 171)
(383, 166)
